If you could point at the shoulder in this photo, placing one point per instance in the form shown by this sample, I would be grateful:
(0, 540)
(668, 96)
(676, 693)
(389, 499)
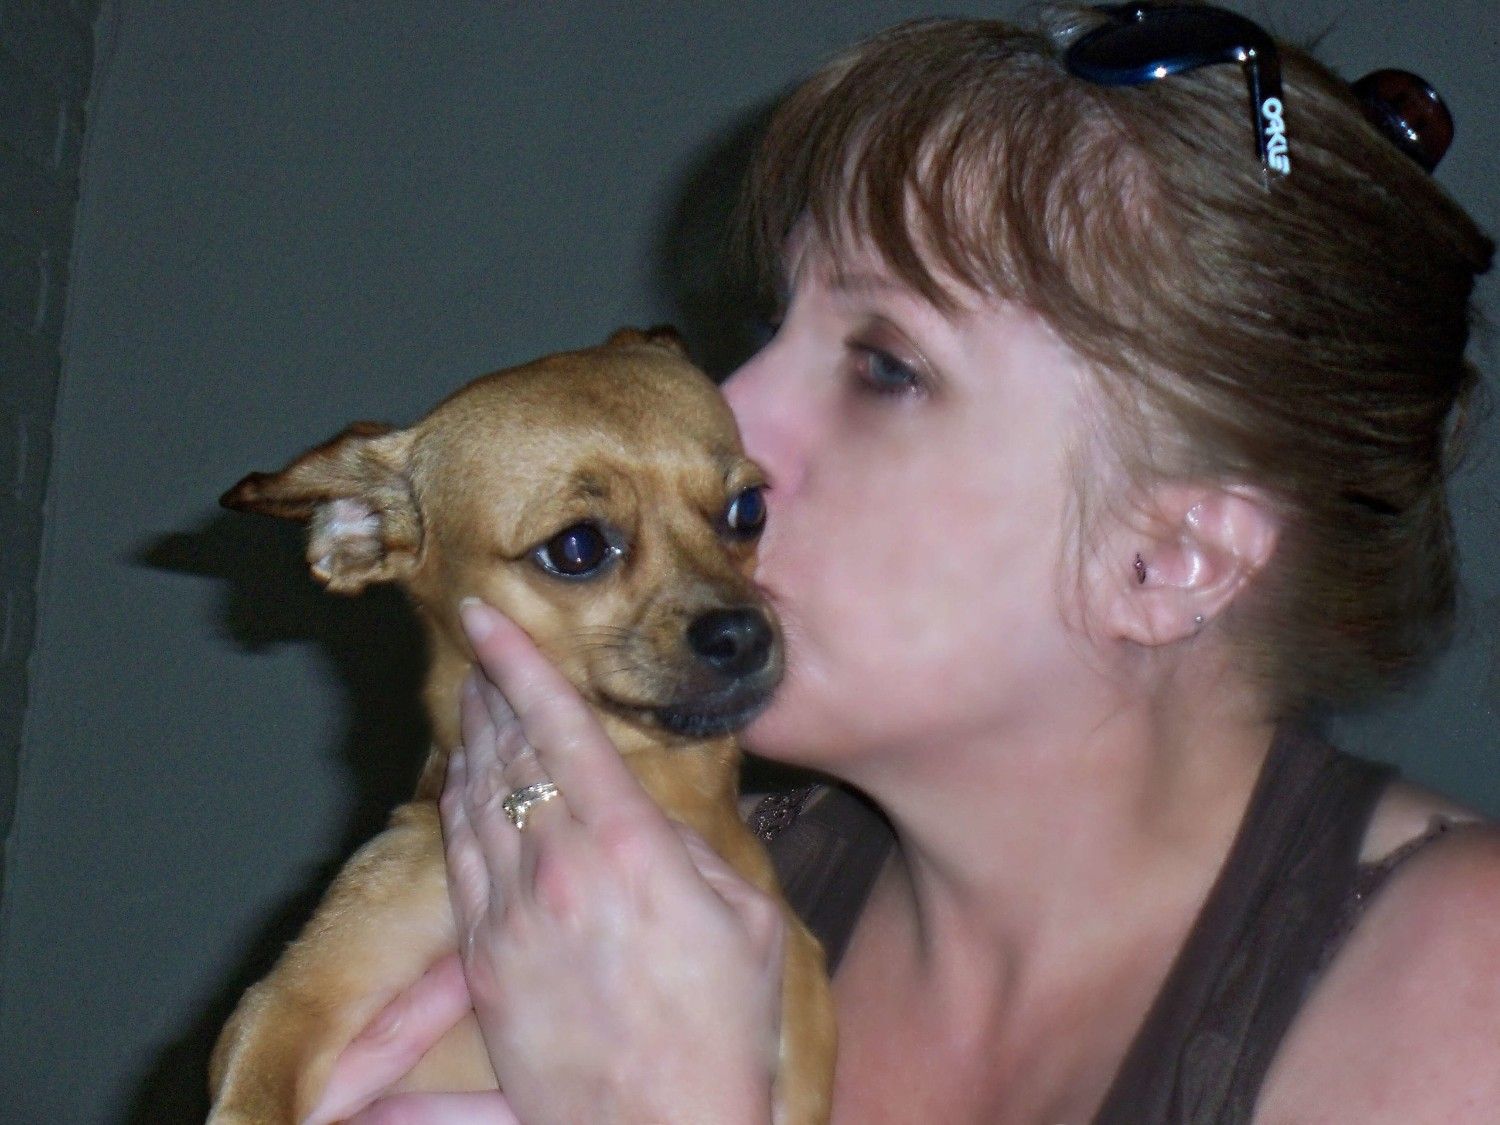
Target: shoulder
(1405, 1024)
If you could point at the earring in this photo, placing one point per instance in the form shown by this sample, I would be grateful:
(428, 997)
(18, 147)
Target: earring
(1140, 569)
(1198, 620)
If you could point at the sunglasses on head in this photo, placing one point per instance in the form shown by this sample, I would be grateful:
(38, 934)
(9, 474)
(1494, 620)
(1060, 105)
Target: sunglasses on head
(1143, 42)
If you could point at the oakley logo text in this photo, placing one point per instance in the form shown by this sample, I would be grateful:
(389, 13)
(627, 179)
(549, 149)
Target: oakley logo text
(1276, 151)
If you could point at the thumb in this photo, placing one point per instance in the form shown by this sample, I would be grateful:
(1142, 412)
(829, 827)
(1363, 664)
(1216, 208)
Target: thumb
(394, 1041)
(488, 1108)
(759, 913)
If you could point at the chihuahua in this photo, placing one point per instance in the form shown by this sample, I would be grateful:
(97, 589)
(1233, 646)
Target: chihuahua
(602, 500)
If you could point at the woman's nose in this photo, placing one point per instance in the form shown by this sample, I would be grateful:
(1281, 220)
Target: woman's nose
(742, 392)
(767, 415)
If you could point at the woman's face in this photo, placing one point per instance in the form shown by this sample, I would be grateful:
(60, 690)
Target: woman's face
(919, 492)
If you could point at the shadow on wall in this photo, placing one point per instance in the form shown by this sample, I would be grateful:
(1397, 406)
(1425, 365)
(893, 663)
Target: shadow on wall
(700, 268)
(374, 641)
(376, 647)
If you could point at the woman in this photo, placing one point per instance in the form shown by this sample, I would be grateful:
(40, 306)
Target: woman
(1101, 453)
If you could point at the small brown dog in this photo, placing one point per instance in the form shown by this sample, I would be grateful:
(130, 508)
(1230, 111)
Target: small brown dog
(602, 500)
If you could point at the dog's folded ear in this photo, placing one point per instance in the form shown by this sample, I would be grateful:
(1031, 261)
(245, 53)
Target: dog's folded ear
(662, 335)
(355, 493)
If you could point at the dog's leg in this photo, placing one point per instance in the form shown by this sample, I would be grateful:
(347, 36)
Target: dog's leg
(809, 1038)
(384, 921)
(809, 1041)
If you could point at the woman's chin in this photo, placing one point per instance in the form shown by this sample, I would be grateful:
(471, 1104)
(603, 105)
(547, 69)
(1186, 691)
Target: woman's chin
(780, 733)
(764, 736)
(791, 733)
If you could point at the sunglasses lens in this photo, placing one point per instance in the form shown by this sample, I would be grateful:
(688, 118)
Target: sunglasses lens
(1142, 43)
(1147, 43)
(1408, 110)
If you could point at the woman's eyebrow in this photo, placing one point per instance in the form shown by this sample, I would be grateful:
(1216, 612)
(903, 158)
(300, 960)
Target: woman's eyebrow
(900, 295)
(863, 282)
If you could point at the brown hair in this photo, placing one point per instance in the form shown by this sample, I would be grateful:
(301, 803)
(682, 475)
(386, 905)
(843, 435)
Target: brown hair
(1303, 337)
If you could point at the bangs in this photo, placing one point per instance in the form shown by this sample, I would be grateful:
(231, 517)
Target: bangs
(959, 152)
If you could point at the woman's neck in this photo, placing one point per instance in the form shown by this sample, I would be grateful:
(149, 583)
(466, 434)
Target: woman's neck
(1043, 882)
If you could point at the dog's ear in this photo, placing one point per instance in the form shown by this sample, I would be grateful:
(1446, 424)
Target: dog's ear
(355, 493)
(662, 335)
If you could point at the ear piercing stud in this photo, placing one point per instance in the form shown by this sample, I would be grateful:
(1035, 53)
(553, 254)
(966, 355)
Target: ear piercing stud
(1140, 576)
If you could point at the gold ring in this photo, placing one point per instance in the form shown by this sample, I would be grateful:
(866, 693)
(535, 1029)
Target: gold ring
(523, 800)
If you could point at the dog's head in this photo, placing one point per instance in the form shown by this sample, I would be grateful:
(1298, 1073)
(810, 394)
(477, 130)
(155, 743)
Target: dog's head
(600, 498)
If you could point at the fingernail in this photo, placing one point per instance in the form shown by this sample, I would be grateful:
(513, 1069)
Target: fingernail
(476, 618)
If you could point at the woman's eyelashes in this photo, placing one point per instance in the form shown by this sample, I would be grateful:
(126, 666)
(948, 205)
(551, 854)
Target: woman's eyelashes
(881, 372)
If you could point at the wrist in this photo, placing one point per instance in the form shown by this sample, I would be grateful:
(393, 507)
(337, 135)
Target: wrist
(729, 1094)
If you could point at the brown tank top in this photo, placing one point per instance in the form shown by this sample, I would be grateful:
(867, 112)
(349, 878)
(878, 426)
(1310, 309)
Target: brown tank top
(1288, 894)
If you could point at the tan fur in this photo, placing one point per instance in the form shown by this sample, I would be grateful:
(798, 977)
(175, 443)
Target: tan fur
(630, 434)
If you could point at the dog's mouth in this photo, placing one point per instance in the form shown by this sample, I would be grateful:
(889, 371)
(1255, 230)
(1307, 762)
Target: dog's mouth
(726, 717)
(712, 679)
(704, 716)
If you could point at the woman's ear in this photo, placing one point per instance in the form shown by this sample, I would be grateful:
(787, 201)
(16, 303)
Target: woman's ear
(1180, 569)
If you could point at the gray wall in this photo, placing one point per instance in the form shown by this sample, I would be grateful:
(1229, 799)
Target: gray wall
(46, 62)
(295, 215)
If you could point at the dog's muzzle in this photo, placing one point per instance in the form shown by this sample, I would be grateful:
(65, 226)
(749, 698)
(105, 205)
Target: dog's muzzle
(737, 661)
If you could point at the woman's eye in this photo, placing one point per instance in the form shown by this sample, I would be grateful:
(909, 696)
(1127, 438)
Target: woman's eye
(746, 514)
(576, 552)
(883, 373)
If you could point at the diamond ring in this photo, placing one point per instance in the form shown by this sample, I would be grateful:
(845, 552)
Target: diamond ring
(518, 804)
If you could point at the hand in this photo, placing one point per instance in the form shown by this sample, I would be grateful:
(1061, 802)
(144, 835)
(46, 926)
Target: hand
(390, 1045)
(621, 971)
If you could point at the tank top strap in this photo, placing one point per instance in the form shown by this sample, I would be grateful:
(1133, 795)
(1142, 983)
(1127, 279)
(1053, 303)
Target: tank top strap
(827, 844)
(1258, 943)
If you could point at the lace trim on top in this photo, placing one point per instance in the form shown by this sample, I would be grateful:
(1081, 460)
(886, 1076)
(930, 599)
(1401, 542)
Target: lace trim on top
(777, 812)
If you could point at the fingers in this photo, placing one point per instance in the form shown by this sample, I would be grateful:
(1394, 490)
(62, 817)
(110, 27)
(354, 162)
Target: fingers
(499, 756)
(484, 846)
(394, 1041)
(496, 727)
(476, 727)
(759, 913)
(468, 865)
(487, 1108)
(501, 760)
(570, 746)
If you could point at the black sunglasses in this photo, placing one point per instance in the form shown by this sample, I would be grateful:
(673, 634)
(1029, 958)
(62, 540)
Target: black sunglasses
(1144, 42)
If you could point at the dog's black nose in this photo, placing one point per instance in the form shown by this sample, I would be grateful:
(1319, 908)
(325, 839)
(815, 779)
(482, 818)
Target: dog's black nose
(733, 642)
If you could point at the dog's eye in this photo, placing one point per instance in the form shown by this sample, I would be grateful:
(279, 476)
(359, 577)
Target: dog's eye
(576, 552)
(746, 514)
